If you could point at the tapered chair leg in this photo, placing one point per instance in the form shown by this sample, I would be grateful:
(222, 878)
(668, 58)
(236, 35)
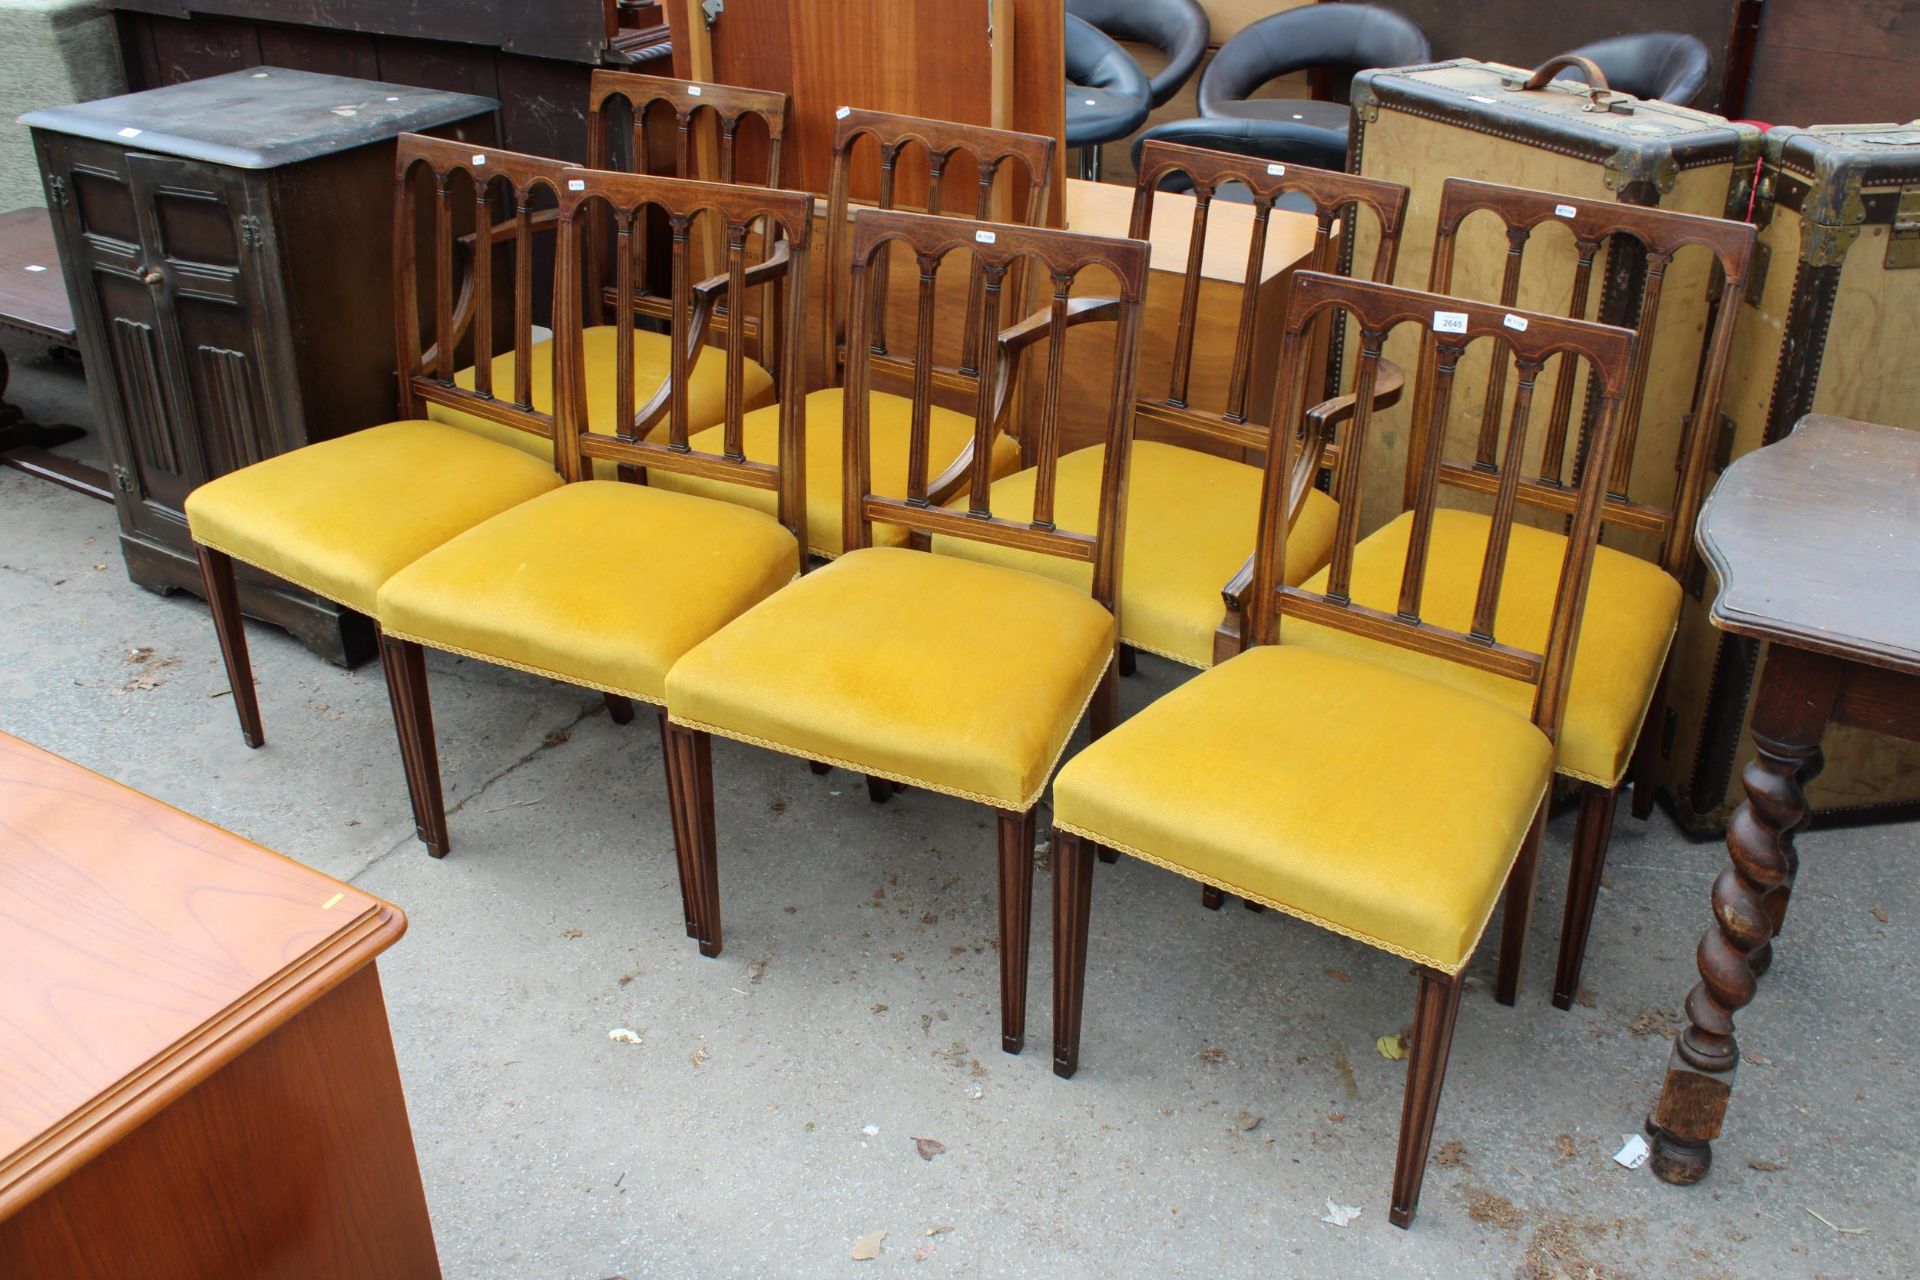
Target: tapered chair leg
(223, 596)
(1590, 839)
(1518, 916)
(1104, 711)
(881, 790)
(1435, 1010)
(1072, 898)
(1128, 659)
(1211, 898)
(690, 792)
(405, 665)
(1015, 833)
(819, 768)
(682, 842)
(619, 709)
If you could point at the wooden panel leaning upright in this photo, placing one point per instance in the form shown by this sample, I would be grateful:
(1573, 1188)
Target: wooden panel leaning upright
(963, 678)
(1332, 783)
(606, 583)
(1614, 703)
(989, 167)
(1191, 513)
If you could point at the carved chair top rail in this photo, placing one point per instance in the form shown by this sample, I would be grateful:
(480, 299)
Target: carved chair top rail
(1000, 255)
(997, 156)
(689, 207)
(1661, 234)
(483, 198)
(1529, 339)
(687, 99)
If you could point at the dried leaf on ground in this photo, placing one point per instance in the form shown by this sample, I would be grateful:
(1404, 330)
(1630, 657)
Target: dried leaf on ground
(1452, 1152)
(1340, 1214)
(939, 1228)
(1565, 1149)
(1393, 1048)
(1247, 1122)
(867, 1247)
(1767, 1166)
(699, 1056)
(556, 737)
(1652, 1022)
(1338, 975)
(573, 933)
(758, 969)
(1879, 915)
(1494, 1210)
(1213, 1056)
(928, 1148)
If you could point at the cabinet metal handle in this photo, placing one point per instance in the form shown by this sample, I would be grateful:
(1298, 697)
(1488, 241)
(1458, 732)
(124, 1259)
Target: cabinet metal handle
(153, 277)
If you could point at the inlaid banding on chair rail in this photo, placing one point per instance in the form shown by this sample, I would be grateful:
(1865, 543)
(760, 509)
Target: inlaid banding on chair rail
(1453, 325)
(500, 194)
(701, 310)
(1660, 235)
(999, 253)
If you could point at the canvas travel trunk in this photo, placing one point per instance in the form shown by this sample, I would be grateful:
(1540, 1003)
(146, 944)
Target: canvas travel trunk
(1829, 326)
(1420, 125)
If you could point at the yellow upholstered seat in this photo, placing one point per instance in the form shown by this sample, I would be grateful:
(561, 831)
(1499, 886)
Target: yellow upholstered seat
(342, 516)
(1632, 609)
(652, 364)
(1379, 805)
(958, 677)
(1191, 520)
(948, 433)
(601, 583)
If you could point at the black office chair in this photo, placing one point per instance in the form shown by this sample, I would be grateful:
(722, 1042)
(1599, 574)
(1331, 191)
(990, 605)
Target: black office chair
(1177, 28)
(1662, 66)
(1108, 95)
(1343, 38)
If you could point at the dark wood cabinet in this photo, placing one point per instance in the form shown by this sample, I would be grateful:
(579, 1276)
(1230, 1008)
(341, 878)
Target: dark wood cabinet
(227, 246)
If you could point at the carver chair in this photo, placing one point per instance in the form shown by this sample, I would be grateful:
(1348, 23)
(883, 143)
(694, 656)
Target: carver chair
(1348, 791)
(1191, 513)
(1615, 694)
(626, 112)
(606, 583)
(957, 677)
(339, 517)
(1009, 175)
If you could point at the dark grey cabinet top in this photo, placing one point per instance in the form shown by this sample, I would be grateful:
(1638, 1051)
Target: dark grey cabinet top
(261, 118)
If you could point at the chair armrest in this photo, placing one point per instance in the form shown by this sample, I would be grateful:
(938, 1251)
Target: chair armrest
(772, 267)
(1016, 338)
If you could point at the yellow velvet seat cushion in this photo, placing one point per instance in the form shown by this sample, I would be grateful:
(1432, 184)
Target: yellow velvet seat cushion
(1376, 804)
(342, 516)
(601, 583)
(957, 677)
(890, 418)
(1632, 609)
(652, 365)
(1191, 521)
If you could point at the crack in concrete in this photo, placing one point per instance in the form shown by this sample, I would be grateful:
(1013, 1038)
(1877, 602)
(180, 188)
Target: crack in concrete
(412, 837)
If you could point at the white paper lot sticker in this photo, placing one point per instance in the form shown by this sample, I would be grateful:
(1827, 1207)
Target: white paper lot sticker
(1449, 322)
(1517, 323)
(576, 184)
(693, 91)
(1277, 170)
(1564, 211)
(985, 237)
(843, 113)
(479, 161)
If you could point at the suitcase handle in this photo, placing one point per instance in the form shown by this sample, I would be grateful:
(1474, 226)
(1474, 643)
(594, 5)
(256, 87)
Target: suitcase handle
(1598, 94)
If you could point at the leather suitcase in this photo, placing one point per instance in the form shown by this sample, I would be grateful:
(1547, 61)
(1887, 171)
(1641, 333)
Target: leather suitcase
(1421, 125)
(1832, 307)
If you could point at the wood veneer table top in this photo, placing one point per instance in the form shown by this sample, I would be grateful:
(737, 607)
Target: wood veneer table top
(1816, 542)
(140, 950)
(30, 299)
(1106, 209)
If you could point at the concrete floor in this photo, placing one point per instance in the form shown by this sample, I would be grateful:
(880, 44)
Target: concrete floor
(1229, 1084)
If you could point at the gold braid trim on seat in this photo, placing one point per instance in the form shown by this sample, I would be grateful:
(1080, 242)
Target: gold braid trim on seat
(1405, 953)
(992, 802)
(1188, 663)
(273, 573)
(494, 660)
